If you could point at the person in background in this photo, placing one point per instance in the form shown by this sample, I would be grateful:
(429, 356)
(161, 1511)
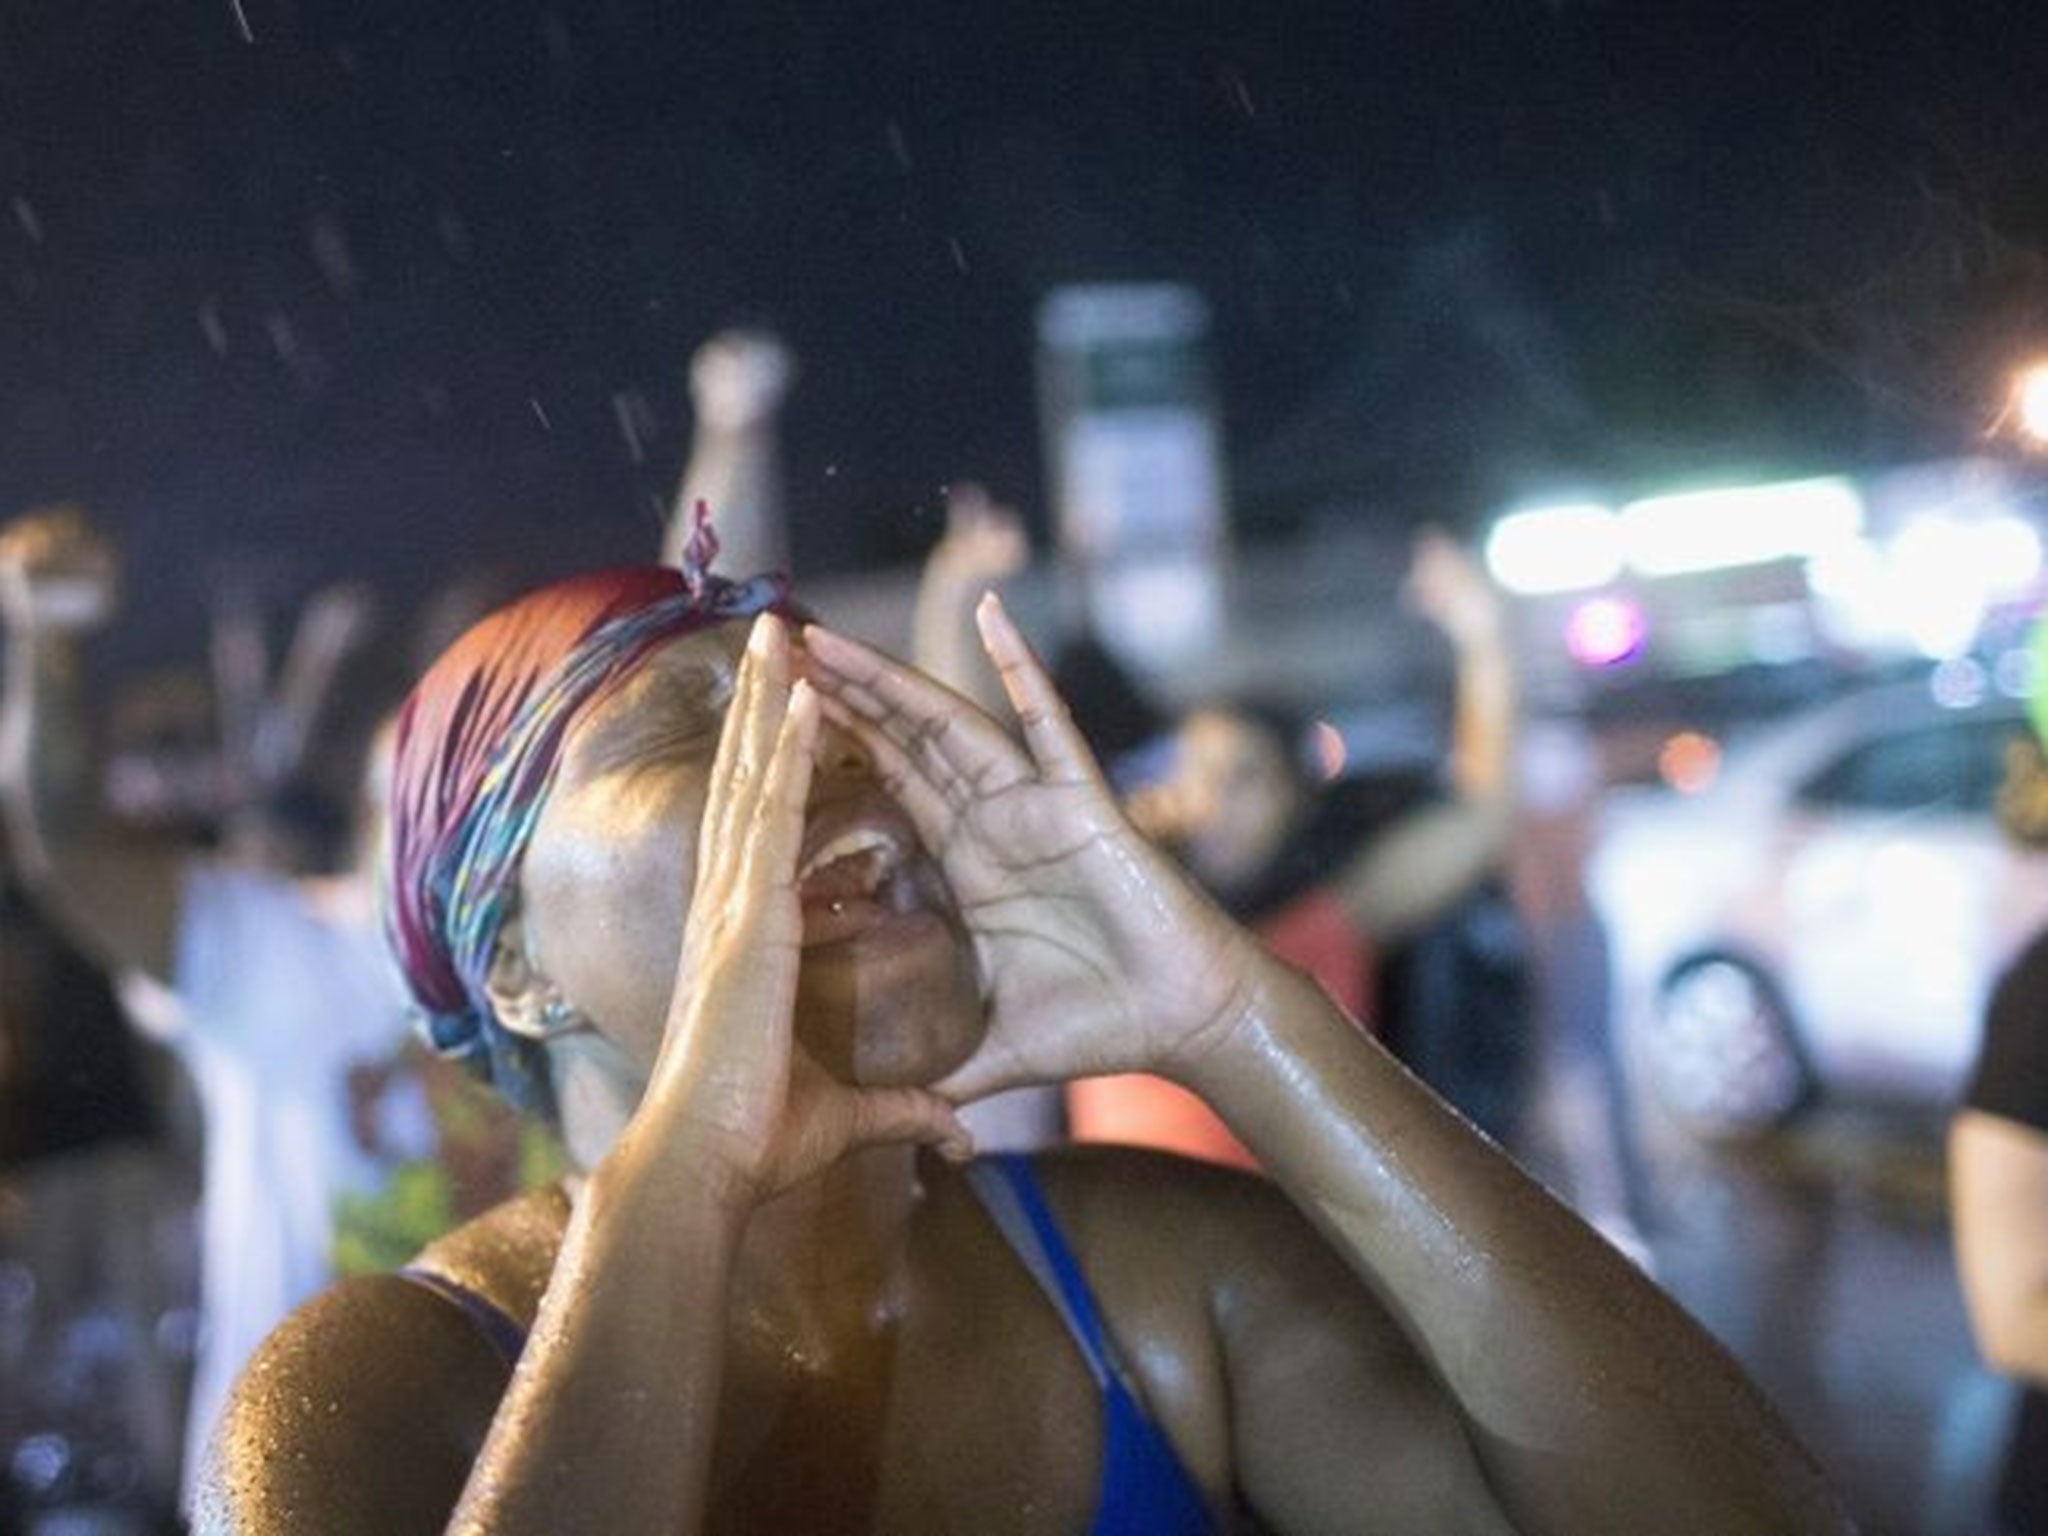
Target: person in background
(750, 910)
(1998, 1169)
(92, 1191)
(261, 957)
(1339, 877)
(1582, 1130)
(1998, 1188)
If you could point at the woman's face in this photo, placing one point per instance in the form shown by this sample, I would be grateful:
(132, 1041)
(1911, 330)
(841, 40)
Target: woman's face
(1240, 796)
(887, 993)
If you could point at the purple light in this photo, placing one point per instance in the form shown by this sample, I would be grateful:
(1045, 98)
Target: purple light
(1605, 631)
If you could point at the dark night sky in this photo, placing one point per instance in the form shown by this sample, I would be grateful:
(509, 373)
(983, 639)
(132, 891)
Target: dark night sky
(356, 293)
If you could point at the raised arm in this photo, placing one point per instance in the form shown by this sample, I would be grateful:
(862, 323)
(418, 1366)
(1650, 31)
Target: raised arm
(1432, 857)
(984, 545)
(1589, 1401)
(737, 383)
(113, 889)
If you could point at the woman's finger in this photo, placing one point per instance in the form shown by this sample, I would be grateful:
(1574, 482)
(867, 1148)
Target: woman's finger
(902, 778)
(881, 1116)
(1047, 723)
(926, 718)
(746, 741)
(776, 828)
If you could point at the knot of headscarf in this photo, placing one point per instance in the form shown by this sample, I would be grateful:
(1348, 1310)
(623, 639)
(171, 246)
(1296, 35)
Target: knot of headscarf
(477, 745)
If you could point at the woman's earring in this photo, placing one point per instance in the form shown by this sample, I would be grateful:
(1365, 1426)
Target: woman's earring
(558, 1017)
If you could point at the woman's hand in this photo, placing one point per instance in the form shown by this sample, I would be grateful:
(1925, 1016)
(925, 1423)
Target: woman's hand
(754, 1111)
(1099, 955)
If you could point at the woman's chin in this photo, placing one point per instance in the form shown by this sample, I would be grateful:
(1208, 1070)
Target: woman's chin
(901, 1019)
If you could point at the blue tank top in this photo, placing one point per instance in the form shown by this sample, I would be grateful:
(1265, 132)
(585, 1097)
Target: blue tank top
(1145, 1491)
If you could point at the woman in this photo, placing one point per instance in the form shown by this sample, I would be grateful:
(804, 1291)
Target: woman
(754, 967)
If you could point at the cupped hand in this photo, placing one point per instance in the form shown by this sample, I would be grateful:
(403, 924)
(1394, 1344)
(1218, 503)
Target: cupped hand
(754, 1112)
(1098, 954)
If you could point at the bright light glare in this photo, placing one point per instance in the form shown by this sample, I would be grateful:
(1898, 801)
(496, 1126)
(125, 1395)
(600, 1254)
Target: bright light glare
(1740, 525)
(1940, 583)
(2009, 552)
(2030, 398)
(1555, 549)
(1603, 631)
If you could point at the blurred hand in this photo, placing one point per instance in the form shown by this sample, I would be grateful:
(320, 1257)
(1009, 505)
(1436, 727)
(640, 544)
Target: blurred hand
(1448, 587)
(57, 572)
(738, 380)
(334, 619)
(984, 541)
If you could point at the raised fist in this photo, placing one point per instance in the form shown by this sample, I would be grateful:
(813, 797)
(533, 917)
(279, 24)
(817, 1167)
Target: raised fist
(1451, 591)
(56, 571)
(738, 378)
(984, 541)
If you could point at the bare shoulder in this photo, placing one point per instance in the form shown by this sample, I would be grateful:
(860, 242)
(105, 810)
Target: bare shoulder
(1258, 1344)
(1154, 1221)
(363, 1411)
(507, 1254)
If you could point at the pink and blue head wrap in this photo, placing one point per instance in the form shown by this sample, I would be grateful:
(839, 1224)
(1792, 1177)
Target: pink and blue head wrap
(477, 745)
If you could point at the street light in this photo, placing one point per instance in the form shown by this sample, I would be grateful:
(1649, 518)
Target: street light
(2030, 400)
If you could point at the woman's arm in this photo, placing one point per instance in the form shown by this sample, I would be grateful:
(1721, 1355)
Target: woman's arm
(1591, 1401)
(114, 890)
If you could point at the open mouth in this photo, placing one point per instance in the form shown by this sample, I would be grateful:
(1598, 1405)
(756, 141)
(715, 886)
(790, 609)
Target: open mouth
(856, 881)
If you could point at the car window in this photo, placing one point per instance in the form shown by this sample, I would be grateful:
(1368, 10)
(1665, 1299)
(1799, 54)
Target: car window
(1952, 766)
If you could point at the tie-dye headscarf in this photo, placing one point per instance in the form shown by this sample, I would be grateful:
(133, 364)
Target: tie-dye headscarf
(476, 750)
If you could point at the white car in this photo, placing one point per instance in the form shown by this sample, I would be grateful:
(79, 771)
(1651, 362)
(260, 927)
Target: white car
(1827, 916)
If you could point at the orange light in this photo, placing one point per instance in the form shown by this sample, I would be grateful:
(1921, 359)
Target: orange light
(2030, 401)
(1689, 761)
(1331, 753)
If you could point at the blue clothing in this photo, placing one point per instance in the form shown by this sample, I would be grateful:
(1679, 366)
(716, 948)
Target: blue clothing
(1145, 1490)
